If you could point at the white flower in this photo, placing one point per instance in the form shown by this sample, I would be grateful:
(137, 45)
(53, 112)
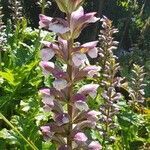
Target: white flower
(45, 65)
(93, 72)
(48, 99)
(60, 84)
(47, 54)
(93, 53)
(79, 59)
(81, 105)
(58, 28)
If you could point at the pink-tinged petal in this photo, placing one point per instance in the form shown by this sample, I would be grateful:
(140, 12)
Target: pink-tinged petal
(93, 115)
(87, 47)
(60, 84)
(47, 67)
(93, 53)
(48, 100)
(90, 45)
(89, 89)
(63, 45)
(56, 25)
(81, 105)
(44, 21)
(59, 25)
(78, 97)
(45, 91)
(94, 145)
(62, 119)
(47, 54)
(75, 16)
(90, 71)
(79, 59)
(46, 131)
(59, 74)
(79, 20)
(89, 18)
(80, 138)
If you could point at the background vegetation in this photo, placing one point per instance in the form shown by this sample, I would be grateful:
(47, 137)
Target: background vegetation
(21, 77)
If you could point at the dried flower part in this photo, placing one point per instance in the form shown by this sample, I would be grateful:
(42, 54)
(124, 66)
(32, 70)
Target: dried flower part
(17, 10)
(137, 84)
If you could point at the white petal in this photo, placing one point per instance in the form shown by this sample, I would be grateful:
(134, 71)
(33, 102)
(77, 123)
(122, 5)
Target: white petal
(93, 53)
(60, 84)
(48, 100)
(58, 28)
(79, 59)
(47, 54)
(81, 105)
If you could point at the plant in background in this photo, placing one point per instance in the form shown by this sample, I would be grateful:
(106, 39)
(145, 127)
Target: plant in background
(137, 87)
(71, 113)
(109, 82)
(17, 10)
(2, 32)
(44, 4)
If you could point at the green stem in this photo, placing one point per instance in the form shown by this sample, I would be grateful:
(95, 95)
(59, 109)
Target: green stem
(17, 131)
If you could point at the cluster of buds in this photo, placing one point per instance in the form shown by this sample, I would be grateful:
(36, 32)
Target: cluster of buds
(44, 4)
(16, 8)
(71, 113)
(137, 86)
(2, 31)
(106, 40)
(109, 81)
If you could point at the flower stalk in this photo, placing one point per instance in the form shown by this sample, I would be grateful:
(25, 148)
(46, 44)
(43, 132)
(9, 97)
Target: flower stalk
(71, 113)
(109, 82)
(137, 87)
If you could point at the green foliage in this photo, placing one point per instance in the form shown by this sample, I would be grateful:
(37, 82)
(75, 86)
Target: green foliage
(20, 80)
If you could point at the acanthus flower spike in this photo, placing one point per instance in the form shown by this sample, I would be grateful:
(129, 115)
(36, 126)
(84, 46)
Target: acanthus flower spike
(71, 113)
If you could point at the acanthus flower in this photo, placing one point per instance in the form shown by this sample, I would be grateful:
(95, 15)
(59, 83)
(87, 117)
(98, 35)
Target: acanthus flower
(78, 21)
(71, 113)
